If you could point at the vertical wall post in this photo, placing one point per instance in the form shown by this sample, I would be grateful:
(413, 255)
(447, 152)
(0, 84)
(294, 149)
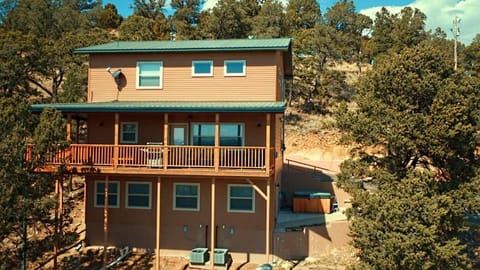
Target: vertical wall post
(69, 127)
(165, 141)
(115, 139)
(55, 244)
(60, 209)
(212, 226)
(216, 153)
(267, 143)
(157, 244)
(267, 222)
(105, 223)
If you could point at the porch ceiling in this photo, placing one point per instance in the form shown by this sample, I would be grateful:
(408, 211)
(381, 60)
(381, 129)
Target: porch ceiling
(165, 106)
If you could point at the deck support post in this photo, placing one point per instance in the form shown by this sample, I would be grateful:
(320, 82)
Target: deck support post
(58, 215)
(69, 127)
(105, 223)
(212, 226)
(267, 143)
(115, 140)
(267, 223)
(216, 153)
(157, 243)
(165, 141)
(266, 197)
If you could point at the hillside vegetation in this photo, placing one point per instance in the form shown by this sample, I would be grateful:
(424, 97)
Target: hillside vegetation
(411, 106)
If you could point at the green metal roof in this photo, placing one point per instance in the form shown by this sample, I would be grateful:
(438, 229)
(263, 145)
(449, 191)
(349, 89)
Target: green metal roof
(166, 106)
(217, 45)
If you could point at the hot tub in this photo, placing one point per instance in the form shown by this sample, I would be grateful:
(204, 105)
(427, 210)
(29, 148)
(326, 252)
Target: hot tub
(312, 201)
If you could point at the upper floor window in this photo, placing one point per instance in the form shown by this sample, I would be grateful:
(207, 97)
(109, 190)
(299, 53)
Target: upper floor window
(138, 195)
(186, 196)
(149, 75)
(113, 194)
(234, 67)
(231, 134)
(241, 198)
(129, 132)
(202, 68)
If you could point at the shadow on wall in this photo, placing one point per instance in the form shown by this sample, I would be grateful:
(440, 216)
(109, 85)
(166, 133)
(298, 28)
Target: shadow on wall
(302, 176)
(314, 239)
(311, 241)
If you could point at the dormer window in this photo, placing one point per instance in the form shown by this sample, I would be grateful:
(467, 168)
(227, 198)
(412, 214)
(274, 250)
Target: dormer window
(149, 75)
(202, 68)
(234, 67)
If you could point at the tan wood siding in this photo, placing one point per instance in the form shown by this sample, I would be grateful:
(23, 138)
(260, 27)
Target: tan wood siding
(260, 82)
(150, 125)
(280, 75)
(180, 229)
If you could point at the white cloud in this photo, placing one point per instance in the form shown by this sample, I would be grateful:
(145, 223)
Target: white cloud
(441, 13)
(209, 4)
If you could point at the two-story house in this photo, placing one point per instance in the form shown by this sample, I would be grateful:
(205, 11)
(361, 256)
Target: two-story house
(184, 144)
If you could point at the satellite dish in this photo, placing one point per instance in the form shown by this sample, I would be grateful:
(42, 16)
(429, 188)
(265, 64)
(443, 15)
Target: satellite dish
(118, 76)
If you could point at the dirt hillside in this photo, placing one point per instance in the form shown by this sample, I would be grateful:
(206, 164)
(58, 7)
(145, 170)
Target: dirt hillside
(314, 139)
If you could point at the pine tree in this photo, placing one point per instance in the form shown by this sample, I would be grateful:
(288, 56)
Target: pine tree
(350, 28)
(270, 21)
(228, 19)
(107, 17)
(302, 14)
(394, 32)
(472, 55)
(154, 26)
(186, 18)
(416, 132)
(25, 193)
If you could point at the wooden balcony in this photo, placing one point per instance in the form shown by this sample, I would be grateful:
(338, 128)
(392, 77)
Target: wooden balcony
(163, 160)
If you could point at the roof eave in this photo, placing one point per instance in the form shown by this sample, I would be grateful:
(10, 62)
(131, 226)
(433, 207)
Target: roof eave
(153, 50)
(277, 107)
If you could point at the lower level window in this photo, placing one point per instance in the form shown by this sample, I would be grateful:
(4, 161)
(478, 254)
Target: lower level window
(241, 198)
(186, 196)
(113, 194)
(139, 195)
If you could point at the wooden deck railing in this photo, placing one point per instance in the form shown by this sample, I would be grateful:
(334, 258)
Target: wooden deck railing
(242, 157)
(160, 156)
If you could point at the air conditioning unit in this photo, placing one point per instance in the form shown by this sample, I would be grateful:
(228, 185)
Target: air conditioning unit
(221, 256)
(199, 256)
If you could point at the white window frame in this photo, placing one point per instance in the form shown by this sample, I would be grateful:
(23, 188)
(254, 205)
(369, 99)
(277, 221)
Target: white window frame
(175, 197)
(194, 74)
(160, 74)
(233, 74)
(95, 204)
(121, 132)
(229, 199)
(127, 194)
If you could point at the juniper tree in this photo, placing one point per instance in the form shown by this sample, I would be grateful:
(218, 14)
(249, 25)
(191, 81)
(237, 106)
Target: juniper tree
(416, 132)
(25, 194)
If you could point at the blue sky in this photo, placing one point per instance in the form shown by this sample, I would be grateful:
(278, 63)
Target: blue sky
(123, 6)
(440, 13)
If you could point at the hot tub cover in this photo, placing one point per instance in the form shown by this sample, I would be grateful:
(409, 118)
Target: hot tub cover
(312, 194)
